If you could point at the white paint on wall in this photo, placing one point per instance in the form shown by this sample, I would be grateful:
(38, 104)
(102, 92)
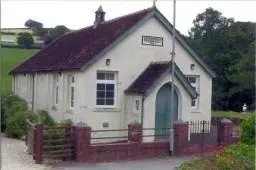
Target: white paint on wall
(129, 58)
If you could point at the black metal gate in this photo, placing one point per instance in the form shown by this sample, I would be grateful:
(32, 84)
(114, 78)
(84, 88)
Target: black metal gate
(203, 133)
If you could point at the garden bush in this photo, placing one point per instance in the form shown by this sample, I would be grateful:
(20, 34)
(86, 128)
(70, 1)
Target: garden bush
(14, 112)
(248, 131)
(15, 125)
(67, 122)
(45, 118)
(240, 157)
(235, 157)
(10, 104)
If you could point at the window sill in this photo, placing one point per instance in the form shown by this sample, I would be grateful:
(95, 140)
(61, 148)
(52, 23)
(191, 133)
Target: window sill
(55, 108)
(195, 110)
(106, 109)
(70, 111)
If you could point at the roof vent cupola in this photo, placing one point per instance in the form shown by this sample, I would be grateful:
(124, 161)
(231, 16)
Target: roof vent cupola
(99, 16)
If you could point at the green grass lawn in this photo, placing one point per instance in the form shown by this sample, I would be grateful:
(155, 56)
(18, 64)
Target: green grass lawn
(12, 57)
(230, 114)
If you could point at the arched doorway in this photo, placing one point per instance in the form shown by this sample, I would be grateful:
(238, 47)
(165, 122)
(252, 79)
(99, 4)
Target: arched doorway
(164, 117)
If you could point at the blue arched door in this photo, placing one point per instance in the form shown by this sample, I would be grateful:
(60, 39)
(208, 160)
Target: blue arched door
(164, 117)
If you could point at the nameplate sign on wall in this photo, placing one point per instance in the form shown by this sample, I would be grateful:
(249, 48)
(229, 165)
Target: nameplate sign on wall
(153, 41)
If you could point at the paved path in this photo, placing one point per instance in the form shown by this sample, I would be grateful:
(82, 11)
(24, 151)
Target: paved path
(150, 164)
(14, 156)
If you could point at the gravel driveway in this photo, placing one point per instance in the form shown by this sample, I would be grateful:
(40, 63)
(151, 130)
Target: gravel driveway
(14, 156)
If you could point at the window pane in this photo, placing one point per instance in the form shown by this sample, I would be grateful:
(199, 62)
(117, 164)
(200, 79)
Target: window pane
(110, 94)
(72, 97)
(100, 86)
(110, 101)
(193, 102)
(110, 76)
(57, 95)
(101, 76)
(192, 79)
(100, 102)
(110, 87)
(100, 94)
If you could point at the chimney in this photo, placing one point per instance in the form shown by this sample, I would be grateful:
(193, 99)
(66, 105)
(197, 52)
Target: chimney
(99, 17)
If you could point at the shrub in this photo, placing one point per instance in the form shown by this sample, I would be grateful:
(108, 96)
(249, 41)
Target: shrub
(8, 33)
(248, 131)
(10, 104)
(235, 157)
(45, 118)
(15, 125)
(32, 117)
(25, 39)
(240, 156)
(67, 122)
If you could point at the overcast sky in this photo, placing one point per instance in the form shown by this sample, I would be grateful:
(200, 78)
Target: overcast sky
(76, 14)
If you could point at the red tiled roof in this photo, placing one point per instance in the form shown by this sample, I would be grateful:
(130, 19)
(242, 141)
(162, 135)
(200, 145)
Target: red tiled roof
(73, 50)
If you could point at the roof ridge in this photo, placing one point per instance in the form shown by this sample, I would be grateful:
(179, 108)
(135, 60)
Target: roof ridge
(123, 16)
(111, 20)
(160, 62)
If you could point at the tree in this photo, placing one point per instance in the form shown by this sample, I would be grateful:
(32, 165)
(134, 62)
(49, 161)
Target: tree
(31, 24)
(25, 39)
(224, 44)
(36, 27)
(55, 33)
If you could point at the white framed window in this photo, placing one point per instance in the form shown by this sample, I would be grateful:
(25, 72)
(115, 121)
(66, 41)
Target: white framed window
(137, 104)
(56, 89)
(71, 91)
(194, 82)
(106, 89)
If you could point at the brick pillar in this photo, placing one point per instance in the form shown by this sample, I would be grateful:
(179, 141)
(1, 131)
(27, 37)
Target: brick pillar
(180, 137)
(134, 132)
(225, 132)
(39, 144)
(82, 141)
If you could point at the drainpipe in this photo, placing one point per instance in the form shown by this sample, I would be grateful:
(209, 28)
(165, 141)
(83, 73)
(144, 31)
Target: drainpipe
(142, 111)
(33, 91)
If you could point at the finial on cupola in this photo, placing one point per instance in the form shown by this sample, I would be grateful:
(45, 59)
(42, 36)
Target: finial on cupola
(99, 16)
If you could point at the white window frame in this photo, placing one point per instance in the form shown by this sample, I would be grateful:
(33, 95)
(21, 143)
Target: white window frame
(196, 86)
(71, 81)
(114, 82)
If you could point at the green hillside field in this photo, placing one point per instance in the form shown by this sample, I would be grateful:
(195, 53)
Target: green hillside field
(12, 57)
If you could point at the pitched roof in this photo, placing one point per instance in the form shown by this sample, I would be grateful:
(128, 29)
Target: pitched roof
(73, 50)
(152, 73)
(78, 49)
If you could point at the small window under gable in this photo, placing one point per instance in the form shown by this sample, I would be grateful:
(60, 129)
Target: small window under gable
(194, 82)
(106, 88)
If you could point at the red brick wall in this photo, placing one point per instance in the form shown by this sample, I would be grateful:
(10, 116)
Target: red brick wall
(127, 151)
(182, 148)
(131, 150)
